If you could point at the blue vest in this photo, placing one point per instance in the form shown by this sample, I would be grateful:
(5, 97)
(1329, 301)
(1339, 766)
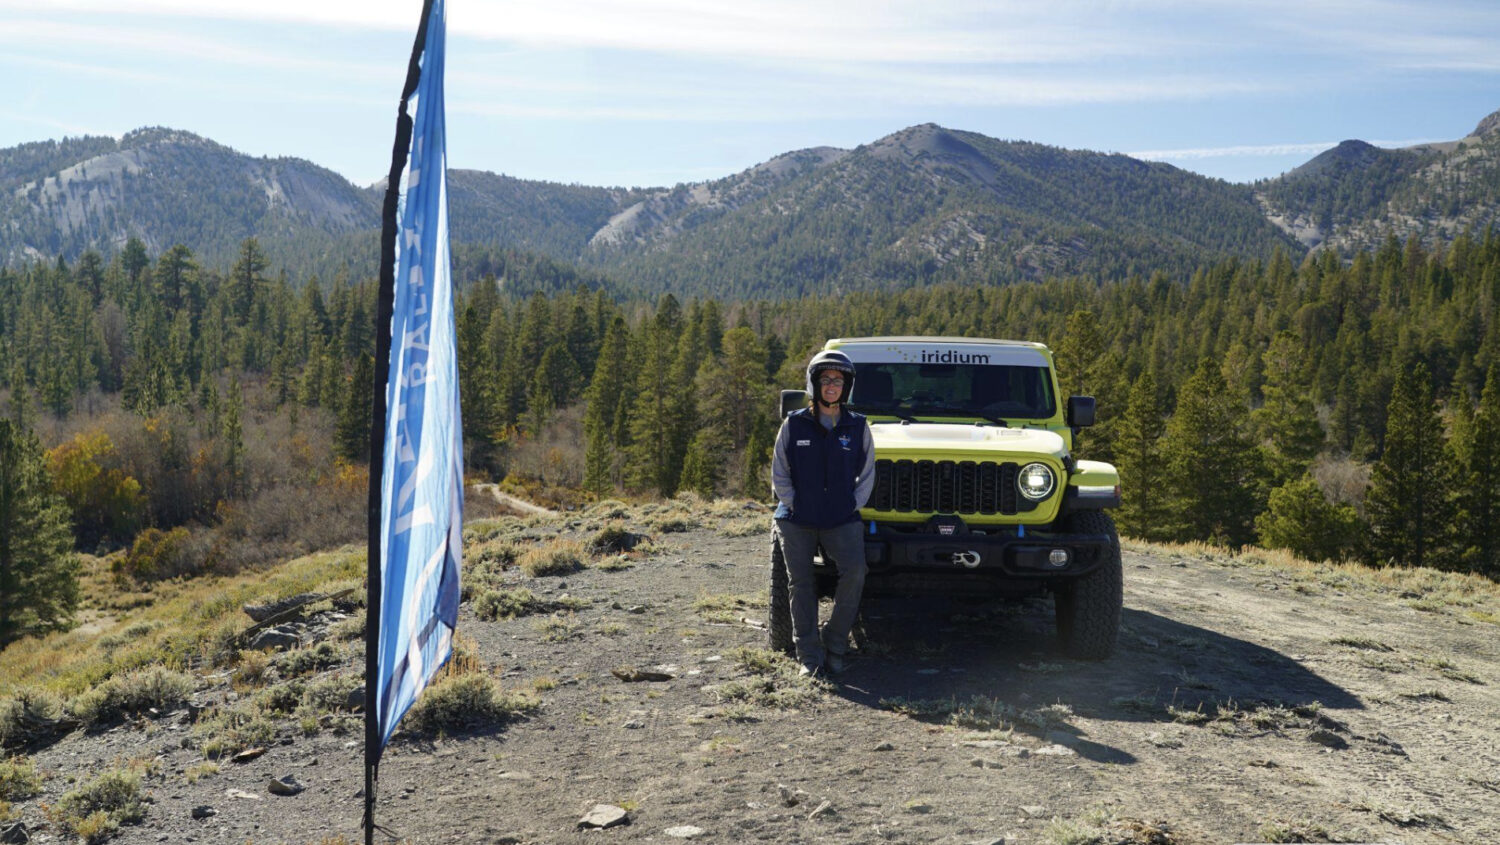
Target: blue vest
(824, 466)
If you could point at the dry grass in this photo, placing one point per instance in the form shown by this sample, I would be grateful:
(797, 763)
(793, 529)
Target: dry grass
(726, 609)
(1425, 589)
(95, 810)
(303, 661)
(746, 526)
(558, 628)
(979, 713)
(225, 731)
(559, 557)
(180, 624)
(505, 604)
(773, 683)
(21, 712)
(19, 779)
(466, 702)
(612, 539)
(132, 693)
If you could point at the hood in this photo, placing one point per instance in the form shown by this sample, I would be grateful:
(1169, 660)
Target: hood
(948, 438)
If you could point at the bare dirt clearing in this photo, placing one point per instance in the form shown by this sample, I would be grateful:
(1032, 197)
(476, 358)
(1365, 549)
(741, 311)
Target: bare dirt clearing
(1247, 702)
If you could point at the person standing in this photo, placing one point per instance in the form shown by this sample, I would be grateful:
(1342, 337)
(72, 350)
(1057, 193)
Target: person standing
(822, 472)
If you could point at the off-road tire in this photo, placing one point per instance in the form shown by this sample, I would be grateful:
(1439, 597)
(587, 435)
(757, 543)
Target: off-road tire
(1088, 608)
(779, 612)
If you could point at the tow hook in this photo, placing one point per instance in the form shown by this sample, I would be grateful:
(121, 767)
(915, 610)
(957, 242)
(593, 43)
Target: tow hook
(968, 560)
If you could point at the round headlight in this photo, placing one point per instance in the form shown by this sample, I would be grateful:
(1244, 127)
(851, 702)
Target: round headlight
(1035, 481)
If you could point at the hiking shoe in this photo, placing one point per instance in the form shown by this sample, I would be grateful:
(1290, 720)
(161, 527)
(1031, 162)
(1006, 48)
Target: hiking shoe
(810, 670)
(835, 663)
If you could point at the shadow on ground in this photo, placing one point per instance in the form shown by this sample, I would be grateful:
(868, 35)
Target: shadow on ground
(937, 649)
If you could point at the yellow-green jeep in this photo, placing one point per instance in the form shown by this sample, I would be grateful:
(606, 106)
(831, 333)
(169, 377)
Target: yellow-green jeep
(977, 491)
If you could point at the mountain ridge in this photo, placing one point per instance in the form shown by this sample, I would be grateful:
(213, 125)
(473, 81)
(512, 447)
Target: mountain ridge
(921, 204)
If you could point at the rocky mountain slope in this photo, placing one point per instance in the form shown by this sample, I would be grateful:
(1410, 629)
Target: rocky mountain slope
(920, 205)
(929, 203)
(1351, 197)
(167, 187)
(923, 204)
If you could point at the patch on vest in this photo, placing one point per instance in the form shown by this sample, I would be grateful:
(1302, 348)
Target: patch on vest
(804, 442)
(844, 441)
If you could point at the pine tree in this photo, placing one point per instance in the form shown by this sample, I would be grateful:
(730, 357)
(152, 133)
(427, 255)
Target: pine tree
(1478, 520)
(702, 465)
(1407, 503)
(20, 399)
(246, 280)
(38, 572)
(1214, 473)
(352, 439)
(736, 390)
(655, 456)
(605, 394)
(174, 280)
(555, 381)
(232, 437)
(1079, 353)
(1299, 517)
(1287, 421)
(1143, 511)
(477, 375)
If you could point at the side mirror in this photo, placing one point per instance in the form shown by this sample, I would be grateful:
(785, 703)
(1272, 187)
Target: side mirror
(1080, 411)
(792, 400)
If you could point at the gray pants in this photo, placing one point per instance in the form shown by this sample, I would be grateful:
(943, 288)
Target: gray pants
(846, 545)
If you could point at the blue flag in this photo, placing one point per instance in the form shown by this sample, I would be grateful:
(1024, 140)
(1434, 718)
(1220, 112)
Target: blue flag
(421, 514)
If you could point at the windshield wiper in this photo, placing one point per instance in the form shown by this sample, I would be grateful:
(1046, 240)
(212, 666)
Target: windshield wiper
(873, 411)
(949, 408)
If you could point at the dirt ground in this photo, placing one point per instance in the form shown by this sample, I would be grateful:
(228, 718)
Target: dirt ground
(1246, 703)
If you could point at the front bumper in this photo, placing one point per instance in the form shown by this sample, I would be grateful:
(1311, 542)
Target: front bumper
(1021, 554)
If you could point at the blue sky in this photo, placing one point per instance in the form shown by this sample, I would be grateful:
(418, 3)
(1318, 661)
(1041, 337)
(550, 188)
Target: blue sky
(655, 92)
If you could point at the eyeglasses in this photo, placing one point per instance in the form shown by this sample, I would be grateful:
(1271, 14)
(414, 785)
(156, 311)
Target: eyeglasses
(831, 382)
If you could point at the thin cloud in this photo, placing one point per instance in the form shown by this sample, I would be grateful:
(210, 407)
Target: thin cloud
(61, 126)
(995, 87)
(839, 30)
(154, 42)
(1265, 150)
(87, 69)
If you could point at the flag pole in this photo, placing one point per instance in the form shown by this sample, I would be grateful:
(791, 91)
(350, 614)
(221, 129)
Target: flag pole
(383, 314)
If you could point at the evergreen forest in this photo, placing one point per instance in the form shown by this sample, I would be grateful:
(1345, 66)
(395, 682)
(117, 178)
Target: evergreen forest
(212, 420)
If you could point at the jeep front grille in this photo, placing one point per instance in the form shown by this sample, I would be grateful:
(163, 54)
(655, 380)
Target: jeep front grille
(947, 487)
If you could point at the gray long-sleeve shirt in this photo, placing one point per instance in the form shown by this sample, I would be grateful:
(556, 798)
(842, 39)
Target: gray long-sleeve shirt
(781, 469)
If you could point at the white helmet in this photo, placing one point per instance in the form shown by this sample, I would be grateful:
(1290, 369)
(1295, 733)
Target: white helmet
(830, 359)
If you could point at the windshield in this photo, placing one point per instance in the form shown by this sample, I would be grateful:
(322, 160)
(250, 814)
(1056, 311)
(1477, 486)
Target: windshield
(983, 390)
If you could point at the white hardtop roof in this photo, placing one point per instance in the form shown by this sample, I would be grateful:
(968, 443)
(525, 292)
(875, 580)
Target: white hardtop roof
(977, 341)
(942, 350)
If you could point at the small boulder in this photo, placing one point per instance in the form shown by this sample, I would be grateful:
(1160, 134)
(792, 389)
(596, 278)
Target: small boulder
(247, 755)
(685, 831)
(204, 812)
(604, 816)
(279, 638)
(14, 834)
(284, 786)
(1328, 739)
(630, 674)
